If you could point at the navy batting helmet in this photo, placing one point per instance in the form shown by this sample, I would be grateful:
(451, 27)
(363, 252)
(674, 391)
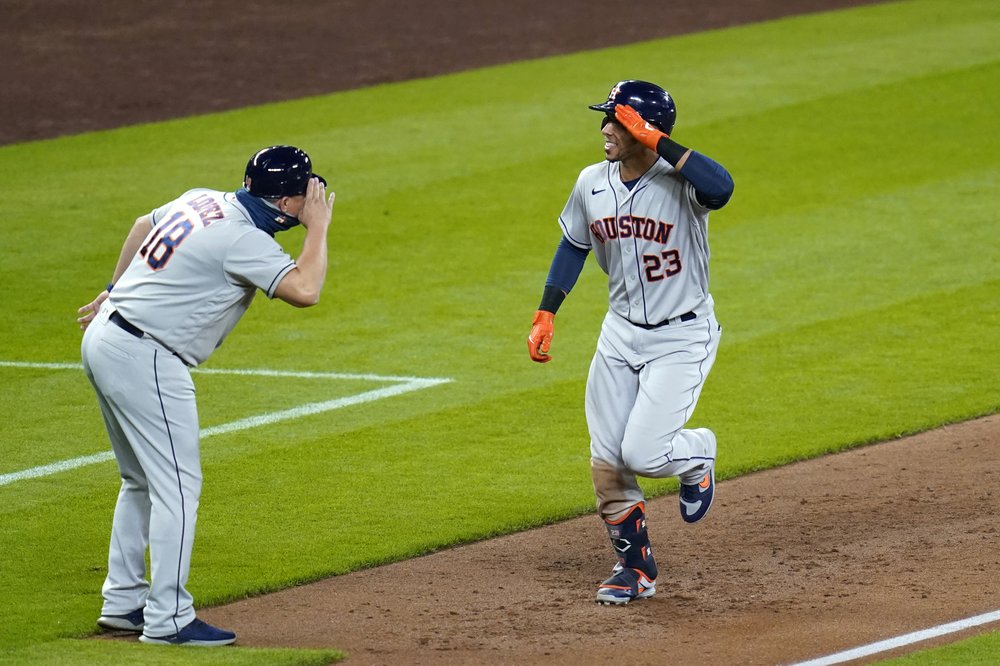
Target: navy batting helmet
(278, 171)
(651, 101)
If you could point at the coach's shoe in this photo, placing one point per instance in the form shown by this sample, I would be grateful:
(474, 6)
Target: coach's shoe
(133, 621)
(634, 576)
(196, 633)
(696, 498)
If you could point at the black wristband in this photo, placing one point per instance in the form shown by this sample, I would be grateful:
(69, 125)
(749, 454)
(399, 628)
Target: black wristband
(108, 288)
(670, 150)
(552, 298)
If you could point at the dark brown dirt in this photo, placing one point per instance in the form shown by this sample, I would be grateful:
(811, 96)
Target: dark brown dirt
(793, 563)
(73, 66)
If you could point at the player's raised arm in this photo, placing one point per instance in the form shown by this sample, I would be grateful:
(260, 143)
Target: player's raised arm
(712, 183)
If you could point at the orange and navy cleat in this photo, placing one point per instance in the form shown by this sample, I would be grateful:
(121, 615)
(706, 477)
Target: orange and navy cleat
(696, 498)
(634, 576)
(624, 586)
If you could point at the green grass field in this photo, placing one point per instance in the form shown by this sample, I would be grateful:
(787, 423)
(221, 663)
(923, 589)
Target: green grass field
(856, 273)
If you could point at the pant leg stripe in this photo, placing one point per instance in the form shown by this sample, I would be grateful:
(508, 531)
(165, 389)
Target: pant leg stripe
(180, 492)
(701, 372)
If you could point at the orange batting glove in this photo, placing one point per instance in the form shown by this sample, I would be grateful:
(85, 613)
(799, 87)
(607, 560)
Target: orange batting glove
(643, 132)
(541, 336)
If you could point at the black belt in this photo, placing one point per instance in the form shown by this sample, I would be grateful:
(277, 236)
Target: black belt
(687, 316)
(123, 323)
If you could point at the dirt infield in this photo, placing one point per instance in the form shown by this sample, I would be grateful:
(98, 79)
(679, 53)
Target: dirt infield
(792, 563)
(75, 67)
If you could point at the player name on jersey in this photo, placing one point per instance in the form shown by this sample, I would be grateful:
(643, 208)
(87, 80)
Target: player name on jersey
(629, 226)
(207, 209)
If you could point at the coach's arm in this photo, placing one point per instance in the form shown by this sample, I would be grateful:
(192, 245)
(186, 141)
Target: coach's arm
(132, 243)
(302, 285)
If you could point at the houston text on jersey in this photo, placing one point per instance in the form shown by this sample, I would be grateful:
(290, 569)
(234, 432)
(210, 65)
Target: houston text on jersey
(628, 226)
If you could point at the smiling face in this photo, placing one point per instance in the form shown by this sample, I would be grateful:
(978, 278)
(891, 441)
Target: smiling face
(619, 145)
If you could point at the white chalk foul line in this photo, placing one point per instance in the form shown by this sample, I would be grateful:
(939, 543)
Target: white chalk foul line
(900, 641)
(254, 372)
(403, 385)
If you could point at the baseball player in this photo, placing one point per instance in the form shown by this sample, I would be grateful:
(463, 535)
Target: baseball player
(644, 214)
(186, 274)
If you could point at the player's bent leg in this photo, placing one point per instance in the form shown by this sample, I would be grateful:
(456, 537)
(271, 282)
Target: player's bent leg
(656, 444)
(634, 576)
(691, 458)
(688, 454)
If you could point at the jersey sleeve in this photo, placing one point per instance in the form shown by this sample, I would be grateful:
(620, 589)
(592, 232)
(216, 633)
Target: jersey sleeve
(691, 195)
(256, 259)
(573, 218)
(157, 213)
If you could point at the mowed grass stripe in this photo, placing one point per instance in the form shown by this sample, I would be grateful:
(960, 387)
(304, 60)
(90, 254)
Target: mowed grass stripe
(445, 226)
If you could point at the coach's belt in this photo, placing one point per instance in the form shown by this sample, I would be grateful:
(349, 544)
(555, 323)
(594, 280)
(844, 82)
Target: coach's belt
(123, 323)
(687, 316)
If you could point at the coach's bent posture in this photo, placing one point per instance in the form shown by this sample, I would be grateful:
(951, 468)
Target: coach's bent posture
(186, 274)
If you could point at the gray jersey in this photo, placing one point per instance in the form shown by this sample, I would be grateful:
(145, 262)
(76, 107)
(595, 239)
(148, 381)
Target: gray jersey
(197, 272)
(652, 241)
